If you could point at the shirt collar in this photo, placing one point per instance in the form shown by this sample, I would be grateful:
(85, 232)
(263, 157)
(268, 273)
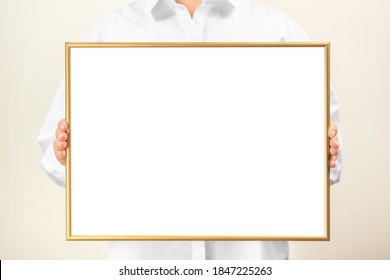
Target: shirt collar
(235, 3)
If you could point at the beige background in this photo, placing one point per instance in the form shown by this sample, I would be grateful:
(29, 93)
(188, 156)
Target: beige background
(32, 36)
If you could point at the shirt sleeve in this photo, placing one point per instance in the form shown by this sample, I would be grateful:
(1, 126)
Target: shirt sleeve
(49, 162)
(46, 137)
(293, 32)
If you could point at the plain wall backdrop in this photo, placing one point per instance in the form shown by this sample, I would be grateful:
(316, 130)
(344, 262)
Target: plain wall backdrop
(32, 208)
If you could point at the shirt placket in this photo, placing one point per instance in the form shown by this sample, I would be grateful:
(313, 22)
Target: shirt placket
(193, 27)
(193, 31)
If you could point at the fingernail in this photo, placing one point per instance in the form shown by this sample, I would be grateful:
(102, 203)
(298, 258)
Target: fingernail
(60, 136)
(62, 126)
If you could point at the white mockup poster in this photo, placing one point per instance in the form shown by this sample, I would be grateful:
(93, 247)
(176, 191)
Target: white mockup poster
(197, 141)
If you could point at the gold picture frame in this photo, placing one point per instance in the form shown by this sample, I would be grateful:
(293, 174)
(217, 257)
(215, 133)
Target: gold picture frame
(71, 205)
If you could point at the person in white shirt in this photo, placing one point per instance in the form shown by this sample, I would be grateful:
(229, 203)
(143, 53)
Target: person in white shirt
(186, 21)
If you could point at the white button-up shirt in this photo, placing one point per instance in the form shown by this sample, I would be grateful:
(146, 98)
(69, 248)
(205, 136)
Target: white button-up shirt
(167, 21)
